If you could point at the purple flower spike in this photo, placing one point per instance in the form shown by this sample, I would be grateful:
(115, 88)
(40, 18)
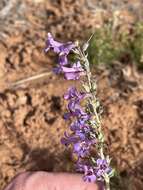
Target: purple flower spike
(58, 47)
(85, 129)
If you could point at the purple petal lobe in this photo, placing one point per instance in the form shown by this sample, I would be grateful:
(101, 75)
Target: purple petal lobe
(58, 47)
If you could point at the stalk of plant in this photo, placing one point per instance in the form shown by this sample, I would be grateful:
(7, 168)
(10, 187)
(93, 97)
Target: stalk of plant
(84, 112)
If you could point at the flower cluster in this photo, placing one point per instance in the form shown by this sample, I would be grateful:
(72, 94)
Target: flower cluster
(80, 129)
(85, 128)
(83, 137)
(95, 172)
(71, 71)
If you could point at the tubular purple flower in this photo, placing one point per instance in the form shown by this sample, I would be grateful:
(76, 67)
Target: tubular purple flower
(76, 126)
(73, 105)
(74, 108)
(83, 133)
(83, 117)
(63, 60)
(102, 168)
(89, 174)
(69, 139)
(80, 141)
(81, 148)
(52, 44)
(73, 93)
(74, 72)
(58, 47)
(70, 73)
(76, 112)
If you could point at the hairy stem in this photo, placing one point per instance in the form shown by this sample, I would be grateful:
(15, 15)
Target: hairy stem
(92, 100)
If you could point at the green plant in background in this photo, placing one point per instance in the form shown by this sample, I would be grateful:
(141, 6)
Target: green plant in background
(135, 45)
(109, 44)
(104, 49)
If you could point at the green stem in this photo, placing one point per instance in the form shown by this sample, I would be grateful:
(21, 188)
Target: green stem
(88, 74)
(107, 183)
(107, 186)
(92, 101)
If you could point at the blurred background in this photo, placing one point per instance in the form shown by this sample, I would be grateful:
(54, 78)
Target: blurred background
(31, 103)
